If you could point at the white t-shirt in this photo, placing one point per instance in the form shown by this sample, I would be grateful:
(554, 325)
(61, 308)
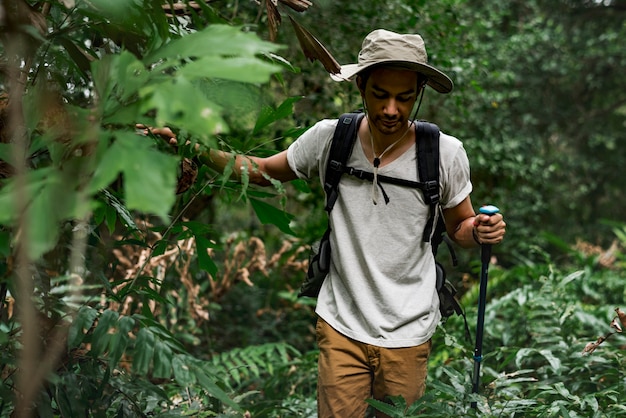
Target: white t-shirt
(381, 286)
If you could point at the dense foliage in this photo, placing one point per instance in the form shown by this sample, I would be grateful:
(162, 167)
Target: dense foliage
(135, 282)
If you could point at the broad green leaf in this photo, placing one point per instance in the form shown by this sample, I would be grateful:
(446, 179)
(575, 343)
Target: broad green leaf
(270, 115)
(239, 100)
(554, 361)
(116, 113)
(159, 331)
(101, 336)
(50, 197)
(80, 58)
(384, 407)
(159, 247)
(208, 384)
(120, 339)
(101, 71)
(34, 182)
(57, 201)
(162, 360)
(178, 102)
(119, 12)
(182, 371)
(269, 214)
(214, 40)
(83, 321)
(131, 75)
(149, 175)
(244, 69)
(205, 261)
(144, 351)
(148, 293)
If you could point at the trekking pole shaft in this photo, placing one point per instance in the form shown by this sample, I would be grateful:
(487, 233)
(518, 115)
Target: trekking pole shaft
(480, 322)
(485, 257)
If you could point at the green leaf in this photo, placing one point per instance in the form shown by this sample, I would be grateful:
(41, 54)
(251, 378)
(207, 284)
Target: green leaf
(144, 351)
(50, 198)
(118, 208)
(179, 102)
(390, 410)
(79, 57)
(6, 152)
(101, 336)
(101, 71)
(122, 12)
(269, 214)
(182, 371)
(159, 247)
(5, 244)
(554, 361)
(120, 339)
(243, 69)
(83, 321)
(197, 228)
(149, 175)
(208, 384)
(205, 261)
(162, 360)
(111, 218)
(150, 294)
(131, 75)
(215, 40)
(269, 115)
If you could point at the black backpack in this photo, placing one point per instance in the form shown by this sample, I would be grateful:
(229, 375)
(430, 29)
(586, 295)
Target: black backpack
(428, 170)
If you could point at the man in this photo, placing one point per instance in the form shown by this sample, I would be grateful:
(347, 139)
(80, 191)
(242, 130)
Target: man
(378, 307)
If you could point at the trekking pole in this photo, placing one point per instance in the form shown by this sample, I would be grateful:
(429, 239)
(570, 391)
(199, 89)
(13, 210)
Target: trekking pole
(485, 256)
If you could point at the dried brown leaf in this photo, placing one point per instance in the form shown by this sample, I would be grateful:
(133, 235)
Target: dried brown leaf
(591, 347)
(313, 49)
(615, 324)
(297, 5)
(273, 18)
(621, 315)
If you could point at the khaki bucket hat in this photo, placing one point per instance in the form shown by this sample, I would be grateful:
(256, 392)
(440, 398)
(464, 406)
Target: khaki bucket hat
(399, 50)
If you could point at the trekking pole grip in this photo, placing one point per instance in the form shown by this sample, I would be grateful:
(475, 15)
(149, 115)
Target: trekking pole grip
(486, 248)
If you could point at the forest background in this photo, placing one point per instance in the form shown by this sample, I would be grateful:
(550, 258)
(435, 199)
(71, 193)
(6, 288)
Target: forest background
(136, 282)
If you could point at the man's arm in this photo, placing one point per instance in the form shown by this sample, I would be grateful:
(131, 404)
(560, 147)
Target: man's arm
(275, 166)
(469, 230)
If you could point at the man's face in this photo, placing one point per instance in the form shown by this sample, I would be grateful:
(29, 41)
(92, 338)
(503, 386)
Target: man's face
(389, 96)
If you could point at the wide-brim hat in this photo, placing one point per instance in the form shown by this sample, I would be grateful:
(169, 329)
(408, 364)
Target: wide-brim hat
(406, 51)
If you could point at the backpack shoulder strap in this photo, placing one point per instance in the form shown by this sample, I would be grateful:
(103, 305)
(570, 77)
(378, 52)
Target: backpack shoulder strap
(427, 145)
(340, 150)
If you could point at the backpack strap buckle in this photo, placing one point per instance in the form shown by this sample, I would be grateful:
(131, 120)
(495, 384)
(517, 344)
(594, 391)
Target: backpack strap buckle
(431, 192)
(336, 166)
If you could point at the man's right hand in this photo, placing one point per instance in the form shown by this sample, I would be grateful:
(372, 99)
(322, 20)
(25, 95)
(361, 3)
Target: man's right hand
(166, 133)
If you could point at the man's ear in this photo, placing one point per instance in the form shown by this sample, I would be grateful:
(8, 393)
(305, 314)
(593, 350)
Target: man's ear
(360, 83)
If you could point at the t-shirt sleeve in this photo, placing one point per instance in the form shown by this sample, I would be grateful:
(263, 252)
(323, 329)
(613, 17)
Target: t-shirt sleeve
(307, 156)
(455, 172)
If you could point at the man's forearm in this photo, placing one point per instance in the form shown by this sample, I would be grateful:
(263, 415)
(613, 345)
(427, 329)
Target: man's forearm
(215, 159)
(220, 160)
(465, 234)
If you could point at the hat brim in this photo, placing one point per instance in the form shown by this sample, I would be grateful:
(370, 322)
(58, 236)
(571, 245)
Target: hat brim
(436, 79)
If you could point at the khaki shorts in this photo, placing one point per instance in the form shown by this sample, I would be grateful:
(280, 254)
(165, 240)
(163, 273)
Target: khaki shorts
(351, 372)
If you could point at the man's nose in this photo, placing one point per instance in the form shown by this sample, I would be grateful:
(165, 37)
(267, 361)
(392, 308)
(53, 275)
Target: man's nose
(391, 107)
